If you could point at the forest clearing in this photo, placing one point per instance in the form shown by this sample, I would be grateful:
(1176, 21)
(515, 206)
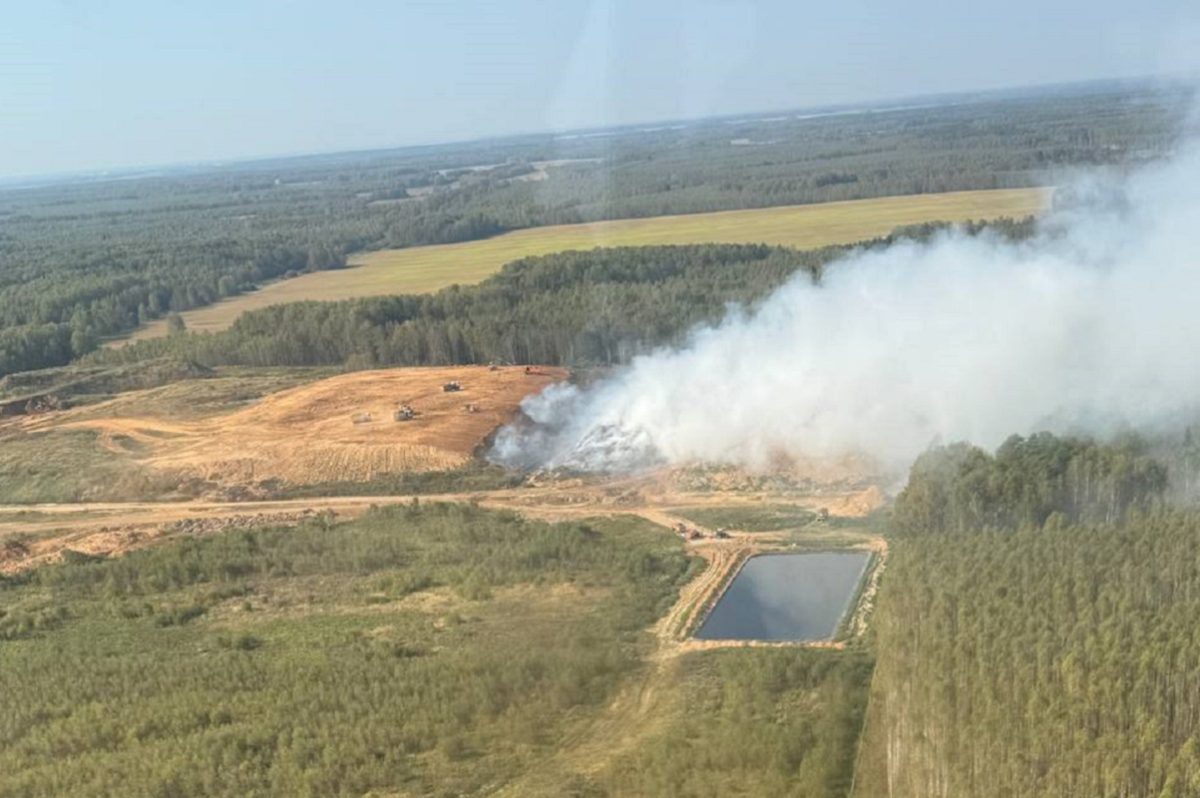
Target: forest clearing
(344, 428)
(655, 675)
(424, 269)
(284, 511)
(338, 437)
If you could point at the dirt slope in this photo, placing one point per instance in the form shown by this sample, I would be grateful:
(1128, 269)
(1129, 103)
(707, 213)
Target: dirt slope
(337, 429)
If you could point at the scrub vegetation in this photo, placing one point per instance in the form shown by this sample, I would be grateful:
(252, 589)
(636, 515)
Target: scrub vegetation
(419, 650)
(779, 722)
(432, 650)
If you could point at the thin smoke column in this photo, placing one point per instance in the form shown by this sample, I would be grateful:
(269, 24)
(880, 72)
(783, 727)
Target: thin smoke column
(1092, 325)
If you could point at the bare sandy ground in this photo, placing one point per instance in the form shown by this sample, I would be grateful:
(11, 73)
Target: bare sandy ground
(339, 429)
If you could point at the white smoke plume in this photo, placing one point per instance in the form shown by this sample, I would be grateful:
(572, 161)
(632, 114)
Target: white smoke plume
(1092, 325)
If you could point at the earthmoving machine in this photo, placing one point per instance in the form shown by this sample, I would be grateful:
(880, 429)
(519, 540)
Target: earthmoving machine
(451, 387)
(45, 404)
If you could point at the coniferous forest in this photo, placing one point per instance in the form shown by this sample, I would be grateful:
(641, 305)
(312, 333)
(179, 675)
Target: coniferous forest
(1060, 660)
(1037, 632)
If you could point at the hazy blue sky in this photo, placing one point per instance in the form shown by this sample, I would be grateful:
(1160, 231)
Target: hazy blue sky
(90, 84)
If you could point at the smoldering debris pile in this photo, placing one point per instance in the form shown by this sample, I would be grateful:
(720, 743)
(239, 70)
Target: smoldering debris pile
(1087, 327)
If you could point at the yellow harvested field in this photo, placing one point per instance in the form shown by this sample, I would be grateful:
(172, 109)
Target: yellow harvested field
(425, 269)
(339, 429)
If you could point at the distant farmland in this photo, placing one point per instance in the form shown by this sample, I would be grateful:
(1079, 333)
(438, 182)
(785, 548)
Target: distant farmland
(424, 269)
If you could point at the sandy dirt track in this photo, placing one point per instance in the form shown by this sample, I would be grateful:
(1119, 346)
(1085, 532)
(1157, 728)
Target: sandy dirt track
(37, 534)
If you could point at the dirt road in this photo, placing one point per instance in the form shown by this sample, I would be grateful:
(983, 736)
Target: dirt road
(36, 534)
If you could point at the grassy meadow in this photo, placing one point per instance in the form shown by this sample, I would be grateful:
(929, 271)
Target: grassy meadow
(429, 268)
(759, 517)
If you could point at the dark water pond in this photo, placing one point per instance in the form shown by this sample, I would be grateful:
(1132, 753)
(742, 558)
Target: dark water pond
(786, 597)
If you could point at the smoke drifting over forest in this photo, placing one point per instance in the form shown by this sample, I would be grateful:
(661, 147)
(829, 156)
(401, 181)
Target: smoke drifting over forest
(1090, 326)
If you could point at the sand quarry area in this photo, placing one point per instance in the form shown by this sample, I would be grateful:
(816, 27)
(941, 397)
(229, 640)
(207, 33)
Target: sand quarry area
(340, 429)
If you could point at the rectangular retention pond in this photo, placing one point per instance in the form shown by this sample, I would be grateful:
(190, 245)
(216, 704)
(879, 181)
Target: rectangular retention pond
(787, 597)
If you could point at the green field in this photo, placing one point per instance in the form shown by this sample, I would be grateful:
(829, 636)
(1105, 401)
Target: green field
(424, 269)
(759, 517)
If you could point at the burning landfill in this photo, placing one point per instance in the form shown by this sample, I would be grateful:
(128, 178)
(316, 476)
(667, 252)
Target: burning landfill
(1088, 326)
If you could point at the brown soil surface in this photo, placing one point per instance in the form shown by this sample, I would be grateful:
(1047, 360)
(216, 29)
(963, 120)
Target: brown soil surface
(335, 430)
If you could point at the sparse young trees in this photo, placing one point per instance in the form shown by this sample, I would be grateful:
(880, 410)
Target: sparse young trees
(175, 324)
(303, 661)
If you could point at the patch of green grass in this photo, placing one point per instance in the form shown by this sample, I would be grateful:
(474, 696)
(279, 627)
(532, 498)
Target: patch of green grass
(81, 384)
(749, 518)
(474, 476)
(227, 389)
(24, 516)
(69, 466)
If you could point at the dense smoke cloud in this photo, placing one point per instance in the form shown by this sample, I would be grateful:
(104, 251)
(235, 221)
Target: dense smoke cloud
(1092, 325)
